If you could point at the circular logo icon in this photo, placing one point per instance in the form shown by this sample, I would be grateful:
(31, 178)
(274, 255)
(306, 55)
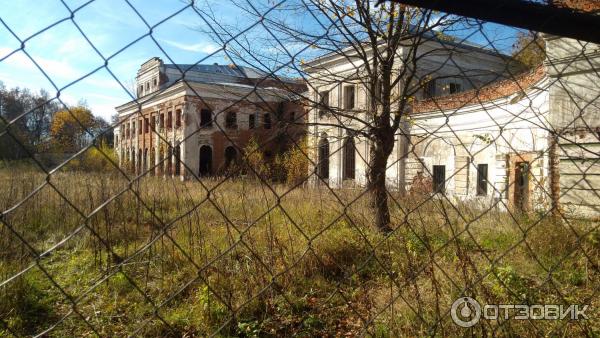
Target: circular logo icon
(465, 312)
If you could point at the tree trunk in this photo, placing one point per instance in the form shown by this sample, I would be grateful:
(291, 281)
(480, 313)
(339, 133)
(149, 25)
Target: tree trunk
(379, 152)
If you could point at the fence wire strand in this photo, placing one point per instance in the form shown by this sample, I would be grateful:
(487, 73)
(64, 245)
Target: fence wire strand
(392, 167)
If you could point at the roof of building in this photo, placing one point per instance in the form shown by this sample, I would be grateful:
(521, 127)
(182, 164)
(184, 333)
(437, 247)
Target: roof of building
(223, 74)
(488, 93)
(592, 6)
(429, 36)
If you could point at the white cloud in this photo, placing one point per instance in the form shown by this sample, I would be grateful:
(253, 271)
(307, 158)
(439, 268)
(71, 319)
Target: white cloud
(103, 110)
(51, 67)
(203, 47)
(104, 83)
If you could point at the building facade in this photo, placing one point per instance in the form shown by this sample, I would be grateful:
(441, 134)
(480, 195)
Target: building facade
(196, 120)
(490, 138)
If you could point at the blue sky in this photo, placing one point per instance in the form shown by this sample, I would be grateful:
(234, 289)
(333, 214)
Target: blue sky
(110, 25)
(66, 56)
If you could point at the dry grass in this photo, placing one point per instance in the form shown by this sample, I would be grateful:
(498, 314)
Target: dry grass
(255, 260)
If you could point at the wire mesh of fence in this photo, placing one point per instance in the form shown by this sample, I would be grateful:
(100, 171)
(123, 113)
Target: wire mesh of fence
(355, 169)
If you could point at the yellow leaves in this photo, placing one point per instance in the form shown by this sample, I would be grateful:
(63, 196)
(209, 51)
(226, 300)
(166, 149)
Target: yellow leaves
(68, 127)
(349, 11)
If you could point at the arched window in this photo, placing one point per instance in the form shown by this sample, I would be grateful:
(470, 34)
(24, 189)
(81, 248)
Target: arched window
(177, 161)
(145, 163)
(230, 156)
(152, 161)
(349, 159)
(231, 120)
(170, 161)
(161, 158)
(323, 164)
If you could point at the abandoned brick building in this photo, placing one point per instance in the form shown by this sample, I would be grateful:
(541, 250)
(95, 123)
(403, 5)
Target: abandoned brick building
(197, 119)
(497, 138)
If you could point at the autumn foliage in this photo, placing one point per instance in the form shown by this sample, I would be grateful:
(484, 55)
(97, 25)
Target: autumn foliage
(71, 128)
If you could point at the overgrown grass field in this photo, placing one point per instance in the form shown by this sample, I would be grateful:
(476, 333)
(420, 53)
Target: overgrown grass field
(92, 254)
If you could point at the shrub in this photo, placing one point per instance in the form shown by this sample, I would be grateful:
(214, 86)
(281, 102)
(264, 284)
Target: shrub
(95, 159)
(295, 163)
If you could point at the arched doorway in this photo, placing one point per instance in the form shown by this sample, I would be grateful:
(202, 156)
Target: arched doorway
(177, 156)
(349, 159)
(152, 161)
(230, 156)
(205, 161)
(323, 164)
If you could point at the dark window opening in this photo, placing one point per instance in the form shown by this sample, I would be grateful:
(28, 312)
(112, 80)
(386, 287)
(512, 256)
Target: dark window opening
(170, 161)
(323, 164)
(521, 194)
(349, 159)
(455, 88)
(178, 118)
(146, 125)
(205, 118)
(429, 89)
(349, 97)
(323, 103)
(152, 123)
(161, 122)
(139, 127)
(230, 156)
(152, 162)
(251, 121)
(231, 120)
(205, 160)
(169, 120)
(439, 178)
(482, 174)
(267, 121)
(161, 158)
(132, 165)
(177, 161)
(145, 165)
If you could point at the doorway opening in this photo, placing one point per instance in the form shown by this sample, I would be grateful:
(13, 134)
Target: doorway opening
(205, 161)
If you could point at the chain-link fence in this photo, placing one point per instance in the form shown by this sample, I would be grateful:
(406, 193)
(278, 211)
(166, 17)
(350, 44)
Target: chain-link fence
(353, 169)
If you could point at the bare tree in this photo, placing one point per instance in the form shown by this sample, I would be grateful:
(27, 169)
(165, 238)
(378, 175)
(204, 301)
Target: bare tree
(384, 44)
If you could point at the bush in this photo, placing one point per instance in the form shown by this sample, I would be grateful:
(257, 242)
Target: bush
(95, 159)
(295, 163)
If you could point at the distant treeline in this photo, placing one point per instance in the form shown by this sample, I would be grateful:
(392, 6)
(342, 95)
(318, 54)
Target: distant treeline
(36, 123)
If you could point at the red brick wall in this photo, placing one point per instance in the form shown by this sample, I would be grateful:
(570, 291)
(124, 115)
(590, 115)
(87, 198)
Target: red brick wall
(488, 93)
